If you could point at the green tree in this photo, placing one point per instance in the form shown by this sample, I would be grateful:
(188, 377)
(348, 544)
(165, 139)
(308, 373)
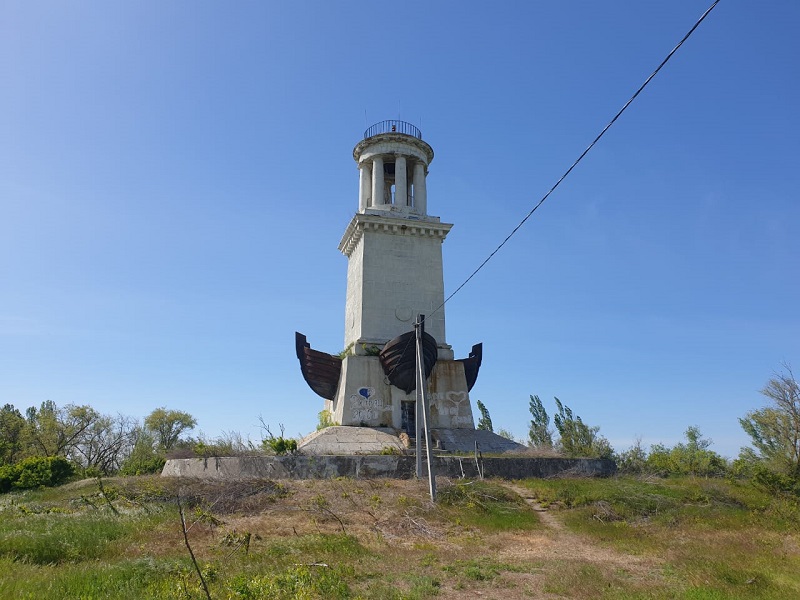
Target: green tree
(633, 460)
(54, 431)
(691, 458)
(105, 444)
(143, 457)
(540, 435)
(12, 424)
(577, 438)
(775, 430)
(485, 422)
(168, 425)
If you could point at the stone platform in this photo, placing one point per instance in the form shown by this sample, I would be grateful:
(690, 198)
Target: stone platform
(341, 440)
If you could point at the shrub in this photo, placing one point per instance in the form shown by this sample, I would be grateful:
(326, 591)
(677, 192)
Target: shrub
(325, 420)
(691, 458)
(633, 460)
(281, 445)
(35, 471)
(143, 466)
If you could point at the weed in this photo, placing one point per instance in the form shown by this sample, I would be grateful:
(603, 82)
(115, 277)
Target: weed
(297, 581)
(487, 506)
(49, 538)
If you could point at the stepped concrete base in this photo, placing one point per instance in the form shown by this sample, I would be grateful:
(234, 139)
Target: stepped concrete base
(340, 440)
(398, 467)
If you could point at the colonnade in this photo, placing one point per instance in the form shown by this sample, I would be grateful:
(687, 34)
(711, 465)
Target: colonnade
(373, 190)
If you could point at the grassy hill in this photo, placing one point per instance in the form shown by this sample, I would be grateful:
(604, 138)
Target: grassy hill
(561, 538)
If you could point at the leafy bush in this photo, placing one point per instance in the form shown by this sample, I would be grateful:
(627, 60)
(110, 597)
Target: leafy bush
(281, 445)
(691, 458)
(34, 472)
(774, 482)
(144, 458)
(143, 466)
(633, 460)
(325, 420)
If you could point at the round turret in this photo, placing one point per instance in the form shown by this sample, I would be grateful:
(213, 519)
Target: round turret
(393, 162)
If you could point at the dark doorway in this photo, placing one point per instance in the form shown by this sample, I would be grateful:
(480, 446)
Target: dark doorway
(408, 418)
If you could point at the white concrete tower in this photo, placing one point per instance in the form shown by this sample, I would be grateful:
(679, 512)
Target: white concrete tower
(394, 273)
(394, 248)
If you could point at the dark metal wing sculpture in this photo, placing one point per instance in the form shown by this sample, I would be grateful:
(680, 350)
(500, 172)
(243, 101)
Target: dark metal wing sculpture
(320, 370)
(472, 365)
(399, 358)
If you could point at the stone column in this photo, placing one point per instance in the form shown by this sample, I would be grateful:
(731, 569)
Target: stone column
(364, 187)
(400, 183)
(377, 181)
(420, 193)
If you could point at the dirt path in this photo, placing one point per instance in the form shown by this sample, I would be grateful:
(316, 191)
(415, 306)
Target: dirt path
(557, 542)
(555, 552)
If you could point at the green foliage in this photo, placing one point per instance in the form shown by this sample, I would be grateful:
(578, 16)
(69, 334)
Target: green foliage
(486, 505)
(682, 537)
(370, 350)
(297, 581)
(143, 578)
(633, 460)
(168, 425)
(502, 432)
(281, 445)
(691, 458)
(53, 538)
(143, 466)
(578, 439)
(90, 440)
(775, 430)
(325, 420)
(540, 435)
(143, 458)
(774, 482)
(346, 352)
(12, 425)
(720, 538)
(35, 471)
(485, 422)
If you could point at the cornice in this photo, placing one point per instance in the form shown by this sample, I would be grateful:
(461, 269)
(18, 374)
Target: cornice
(389, 226)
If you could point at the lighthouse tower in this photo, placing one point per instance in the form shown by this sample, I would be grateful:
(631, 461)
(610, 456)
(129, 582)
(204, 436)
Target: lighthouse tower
(393, 247)
(394, 273)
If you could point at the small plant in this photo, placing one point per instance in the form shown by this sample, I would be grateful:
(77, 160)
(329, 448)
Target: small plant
(237, 540)
(346, 352)
(325, 418)
(370, 350)
(280, 445)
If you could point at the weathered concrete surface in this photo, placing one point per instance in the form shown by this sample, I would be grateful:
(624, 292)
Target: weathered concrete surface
(399, 467)
(340, 439)
(464, 440)
(351, 440)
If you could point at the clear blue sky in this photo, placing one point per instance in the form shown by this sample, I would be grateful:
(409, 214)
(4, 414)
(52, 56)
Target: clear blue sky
(175, 178)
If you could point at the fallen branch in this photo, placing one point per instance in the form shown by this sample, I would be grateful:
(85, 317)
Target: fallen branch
(189, 548)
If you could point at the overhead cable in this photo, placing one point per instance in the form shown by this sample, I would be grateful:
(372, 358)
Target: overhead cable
(580, 158)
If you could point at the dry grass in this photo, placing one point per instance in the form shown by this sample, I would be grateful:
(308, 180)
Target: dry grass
(384, 539)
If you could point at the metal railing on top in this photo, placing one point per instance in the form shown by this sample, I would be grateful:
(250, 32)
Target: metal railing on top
(393, 126)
